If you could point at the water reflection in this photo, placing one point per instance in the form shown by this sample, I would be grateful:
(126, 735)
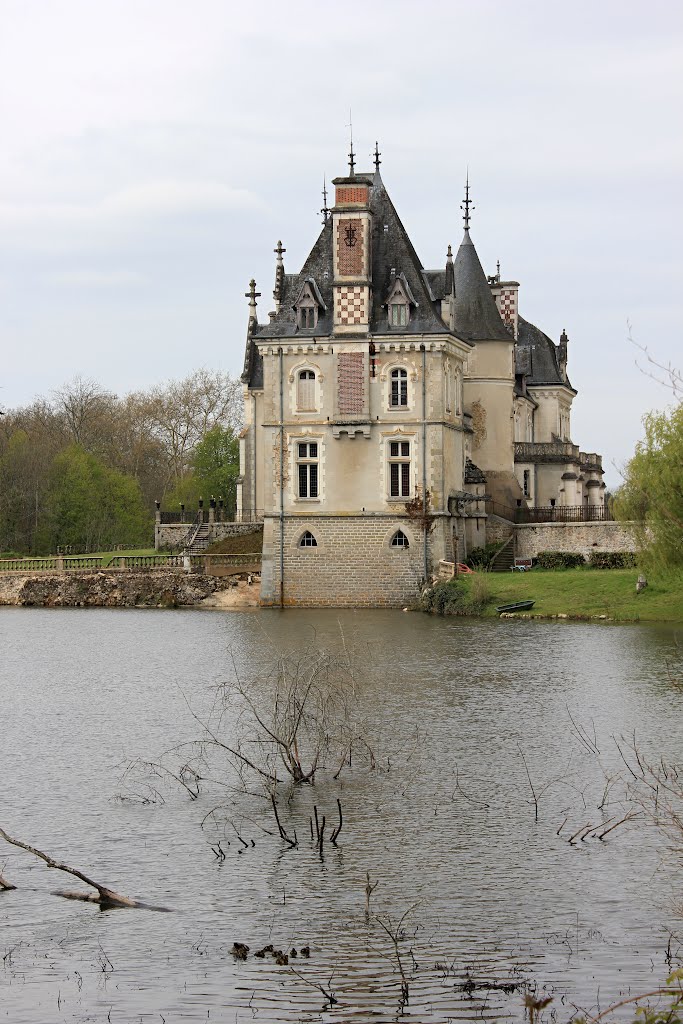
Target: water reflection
(444, 824)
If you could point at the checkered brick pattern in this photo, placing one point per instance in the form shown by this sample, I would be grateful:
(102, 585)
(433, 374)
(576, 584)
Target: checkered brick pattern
(350, 303)
(506, 305)
(350, 396)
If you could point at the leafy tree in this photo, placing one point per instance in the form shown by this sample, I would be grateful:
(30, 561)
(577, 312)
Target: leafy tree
(214, 471)
(652, 492)
(91, 507)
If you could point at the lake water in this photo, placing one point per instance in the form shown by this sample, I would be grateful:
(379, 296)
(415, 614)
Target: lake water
(444, 824)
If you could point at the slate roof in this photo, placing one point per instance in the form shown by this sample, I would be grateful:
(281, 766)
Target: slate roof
(542, 351)
(473, 475)
(476, 314)
(391, 250)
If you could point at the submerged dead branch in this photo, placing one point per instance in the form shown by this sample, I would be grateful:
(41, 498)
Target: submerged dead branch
(105, 897)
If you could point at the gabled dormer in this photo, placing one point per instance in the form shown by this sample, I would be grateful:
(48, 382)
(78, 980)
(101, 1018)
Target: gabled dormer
(400, 302)
(309, 305)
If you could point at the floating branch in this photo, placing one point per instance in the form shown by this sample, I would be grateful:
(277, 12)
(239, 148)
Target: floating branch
(105, 897)
(5, 886)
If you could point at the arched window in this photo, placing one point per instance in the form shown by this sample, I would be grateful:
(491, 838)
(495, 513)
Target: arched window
(308, 540)
(305, 395)
(399, 388)
(399, 540)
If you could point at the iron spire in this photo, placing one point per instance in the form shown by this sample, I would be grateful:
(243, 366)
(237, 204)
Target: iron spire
(352, 162)
(325, 212)
(468, 203)
(377, 156)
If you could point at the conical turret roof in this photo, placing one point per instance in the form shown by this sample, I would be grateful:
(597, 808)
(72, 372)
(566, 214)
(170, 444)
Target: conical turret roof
(476, 314)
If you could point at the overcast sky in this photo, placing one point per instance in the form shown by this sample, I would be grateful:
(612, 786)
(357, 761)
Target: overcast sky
(152, 152)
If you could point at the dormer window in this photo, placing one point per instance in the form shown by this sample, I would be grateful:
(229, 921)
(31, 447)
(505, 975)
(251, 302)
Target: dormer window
(308, 305)
(307, 317)
(398, 314)
(399, 301)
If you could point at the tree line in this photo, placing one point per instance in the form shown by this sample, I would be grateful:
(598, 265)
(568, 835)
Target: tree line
(82, 468)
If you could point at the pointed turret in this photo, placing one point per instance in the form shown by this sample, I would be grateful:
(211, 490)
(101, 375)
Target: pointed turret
(476, 315)
(449, 283)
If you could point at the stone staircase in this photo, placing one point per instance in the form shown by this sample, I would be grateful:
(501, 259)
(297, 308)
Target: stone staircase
(200, 541)
(504, 558)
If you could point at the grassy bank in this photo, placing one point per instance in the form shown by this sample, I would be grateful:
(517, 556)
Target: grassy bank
(588, 593)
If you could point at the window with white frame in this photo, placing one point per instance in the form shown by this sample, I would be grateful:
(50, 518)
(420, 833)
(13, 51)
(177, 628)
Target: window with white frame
(398, 398)
(307, 469)
(308, 540)
(399, 540)
(305, 391)
(399, 469)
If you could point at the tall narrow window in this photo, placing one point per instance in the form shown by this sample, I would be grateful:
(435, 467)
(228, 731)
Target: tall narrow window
(527, 483)
(305, 398)
(307, 467)
(308, 316)
(399, 388)
(398, 314)
(399, 469)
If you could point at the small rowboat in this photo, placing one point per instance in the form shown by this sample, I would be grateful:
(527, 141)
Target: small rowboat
(518, 606)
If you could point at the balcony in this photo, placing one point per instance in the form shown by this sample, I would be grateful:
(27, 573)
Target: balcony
(546, 451)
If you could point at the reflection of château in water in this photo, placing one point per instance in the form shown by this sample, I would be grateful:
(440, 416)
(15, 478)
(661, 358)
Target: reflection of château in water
(375, 381)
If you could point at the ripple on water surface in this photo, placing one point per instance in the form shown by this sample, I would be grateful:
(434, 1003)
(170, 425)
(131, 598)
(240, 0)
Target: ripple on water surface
(495, 903)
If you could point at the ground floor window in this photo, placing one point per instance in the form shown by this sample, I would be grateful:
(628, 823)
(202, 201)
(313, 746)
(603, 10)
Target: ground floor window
(308, 540)
(399, 540)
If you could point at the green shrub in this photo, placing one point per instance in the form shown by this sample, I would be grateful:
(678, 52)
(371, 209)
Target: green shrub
(455, 597)
(481, 558)
(559, 560)
(612, 560)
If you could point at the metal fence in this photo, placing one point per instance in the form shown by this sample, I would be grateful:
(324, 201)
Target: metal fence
(202, 515)
(551, 513)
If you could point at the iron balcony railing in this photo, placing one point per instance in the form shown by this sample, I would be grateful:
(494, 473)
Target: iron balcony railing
(551, 513)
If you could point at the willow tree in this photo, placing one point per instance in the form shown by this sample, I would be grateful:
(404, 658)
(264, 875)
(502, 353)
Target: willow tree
(652, 493)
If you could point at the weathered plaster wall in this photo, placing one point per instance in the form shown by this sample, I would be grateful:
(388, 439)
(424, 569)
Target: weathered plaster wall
(576, 537)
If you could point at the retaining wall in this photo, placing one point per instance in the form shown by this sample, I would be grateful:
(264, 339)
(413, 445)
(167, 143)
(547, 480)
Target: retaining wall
(171, 535)
(580, 538)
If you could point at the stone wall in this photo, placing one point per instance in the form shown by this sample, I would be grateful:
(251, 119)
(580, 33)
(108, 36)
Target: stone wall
(172, 535)
(353, 565)
(581, 538)
(110, 588)
(498, 530)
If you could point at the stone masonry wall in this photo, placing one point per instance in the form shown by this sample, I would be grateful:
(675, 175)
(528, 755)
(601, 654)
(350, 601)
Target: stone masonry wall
(171, 535)
(581, 538)
(353, 565)
(498, 530)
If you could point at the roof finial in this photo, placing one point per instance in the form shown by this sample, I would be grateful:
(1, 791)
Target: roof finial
(352, 162)
(377, 156)
(468, 203)
(449, 254)
(252, 295)
(498, 270)
(325, 212)
(278, 252)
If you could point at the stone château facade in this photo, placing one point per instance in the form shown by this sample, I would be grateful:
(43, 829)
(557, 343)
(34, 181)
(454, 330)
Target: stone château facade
(374, 383)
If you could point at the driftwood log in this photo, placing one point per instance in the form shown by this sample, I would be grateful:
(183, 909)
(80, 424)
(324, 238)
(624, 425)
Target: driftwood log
(5, 886)
(105, 897)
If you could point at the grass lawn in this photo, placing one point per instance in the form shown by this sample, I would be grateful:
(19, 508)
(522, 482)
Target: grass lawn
(588, 593)
(240, 543)
(108, 555)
